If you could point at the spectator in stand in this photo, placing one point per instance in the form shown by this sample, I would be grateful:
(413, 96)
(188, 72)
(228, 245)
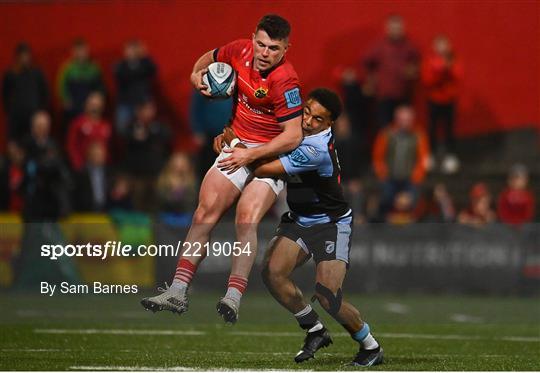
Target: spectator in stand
(39, 142)
(438, 206)
(479, 212)
(350, 166)
(177, 187)
(92, 183)
(177, 199)
(441, 74)
(148, 148)
(207, 117)
(24, 91)
(392, 69)
(77, 79)
(89, 127)
(402, 211)
(121, 196)
(399, 158)
(357, 107)
(4, 183)
(135, 79)
(516, 202)
(47, 187)
(12, 171)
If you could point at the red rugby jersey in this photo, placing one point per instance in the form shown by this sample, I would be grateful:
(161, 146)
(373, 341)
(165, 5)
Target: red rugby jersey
(262, 100)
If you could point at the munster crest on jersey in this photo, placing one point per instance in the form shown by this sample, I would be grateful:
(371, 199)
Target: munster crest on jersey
(261, 92)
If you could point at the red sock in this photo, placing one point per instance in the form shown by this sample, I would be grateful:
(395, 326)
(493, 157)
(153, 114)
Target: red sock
(237, 282)
(185, 271)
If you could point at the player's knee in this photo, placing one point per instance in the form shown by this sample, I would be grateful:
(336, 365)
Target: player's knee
(246, 218)
(250, 213)
(273, 275)
(330, 301)
(204, 214)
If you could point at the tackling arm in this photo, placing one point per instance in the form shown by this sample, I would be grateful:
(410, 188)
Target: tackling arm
(286, 141)
(270, 169)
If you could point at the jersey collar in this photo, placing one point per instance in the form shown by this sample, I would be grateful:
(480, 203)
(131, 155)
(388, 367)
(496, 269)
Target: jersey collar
(322, 133)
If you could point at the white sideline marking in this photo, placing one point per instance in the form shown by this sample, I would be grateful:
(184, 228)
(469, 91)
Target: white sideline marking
(521, 339)
(131, 351)
(119, 331)
(268, 334)
(426, 336)
(34, 350)
(509, 338)
(399, 335)
(173, 369)
(123, 368)
(289, 353)
(398, 308)
(459, 317)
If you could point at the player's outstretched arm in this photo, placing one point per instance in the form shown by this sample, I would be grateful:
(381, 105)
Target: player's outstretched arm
(286, 141)
(199, 69)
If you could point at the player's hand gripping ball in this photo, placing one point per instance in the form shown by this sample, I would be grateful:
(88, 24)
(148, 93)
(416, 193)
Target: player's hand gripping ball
(220, 80)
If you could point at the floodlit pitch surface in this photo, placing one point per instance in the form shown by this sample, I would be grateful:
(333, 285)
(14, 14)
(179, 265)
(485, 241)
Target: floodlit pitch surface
(116, 333)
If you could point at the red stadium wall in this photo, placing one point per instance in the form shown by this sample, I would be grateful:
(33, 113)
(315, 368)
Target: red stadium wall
(498, 42)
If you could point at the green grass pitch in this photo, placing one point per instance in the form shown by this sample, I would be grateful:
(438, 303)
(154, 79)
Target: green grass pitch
(115, 333)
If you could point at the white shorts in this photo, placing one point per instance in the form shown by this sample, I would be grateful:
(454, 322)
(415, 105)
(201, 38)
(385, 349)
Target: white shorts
(241, 177)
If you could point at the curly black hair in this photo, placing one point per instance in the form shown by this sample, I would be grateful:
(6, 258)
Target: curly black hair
(329, 99)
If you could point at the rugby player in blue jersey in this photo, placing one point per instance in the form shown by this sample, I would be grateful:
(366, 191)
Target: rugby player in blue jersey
(318, 225)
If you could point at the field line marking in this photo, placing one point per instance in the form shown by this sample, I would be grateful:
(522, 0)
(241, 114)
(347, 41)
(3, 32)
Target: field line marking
(267, 334)
(119, 331)
(173, 369)
(427, 336)
(509, 338)
(520, 339)
(133, 368)
(289, 353)
(463, 318)
(398, 308)
(34, 350)
(398, 335)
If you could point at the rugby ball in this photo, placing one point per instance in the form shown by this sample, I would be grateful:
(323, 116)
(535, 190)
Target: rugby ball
(220, 80)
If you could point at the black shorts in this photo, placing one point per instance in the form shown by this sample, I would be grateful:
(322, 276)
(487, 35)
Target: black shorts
(327, 241)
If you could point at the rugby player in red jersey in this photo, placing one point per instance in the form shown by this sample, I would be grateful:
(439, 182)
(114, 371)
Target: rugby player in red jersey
(267, 118)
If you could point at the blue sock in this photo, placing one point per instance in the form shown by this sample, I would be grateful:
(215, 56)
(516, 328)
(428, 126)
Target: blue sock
(360, 335)
(365, 339)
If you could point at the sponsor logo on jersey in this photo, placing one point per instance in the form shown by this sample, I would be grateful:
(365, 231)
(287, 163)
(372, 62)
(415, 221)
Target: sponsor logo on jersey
(329, 247)
(298, 158)
(244, 100)
(293, 98)
(312, 150)
(261, 92)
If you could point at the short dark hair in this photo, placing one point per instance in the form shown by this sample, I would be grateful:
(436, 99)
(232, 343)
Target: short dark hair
(21, 48)
(329, 99)
(277, 27)
(394, 17)
(79, 42)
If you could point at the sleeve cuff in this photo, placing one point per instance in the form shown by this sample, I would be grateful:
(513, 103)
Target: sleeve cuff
(290, 116)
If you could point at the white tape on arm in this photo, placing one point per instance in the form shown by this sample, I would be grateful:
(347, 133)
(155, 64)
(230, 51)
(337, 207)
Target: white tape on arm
(234, 142)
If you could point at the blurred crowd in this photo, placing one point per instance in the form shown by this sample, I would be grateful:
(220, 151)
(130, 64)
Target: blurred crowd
(98, 158)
